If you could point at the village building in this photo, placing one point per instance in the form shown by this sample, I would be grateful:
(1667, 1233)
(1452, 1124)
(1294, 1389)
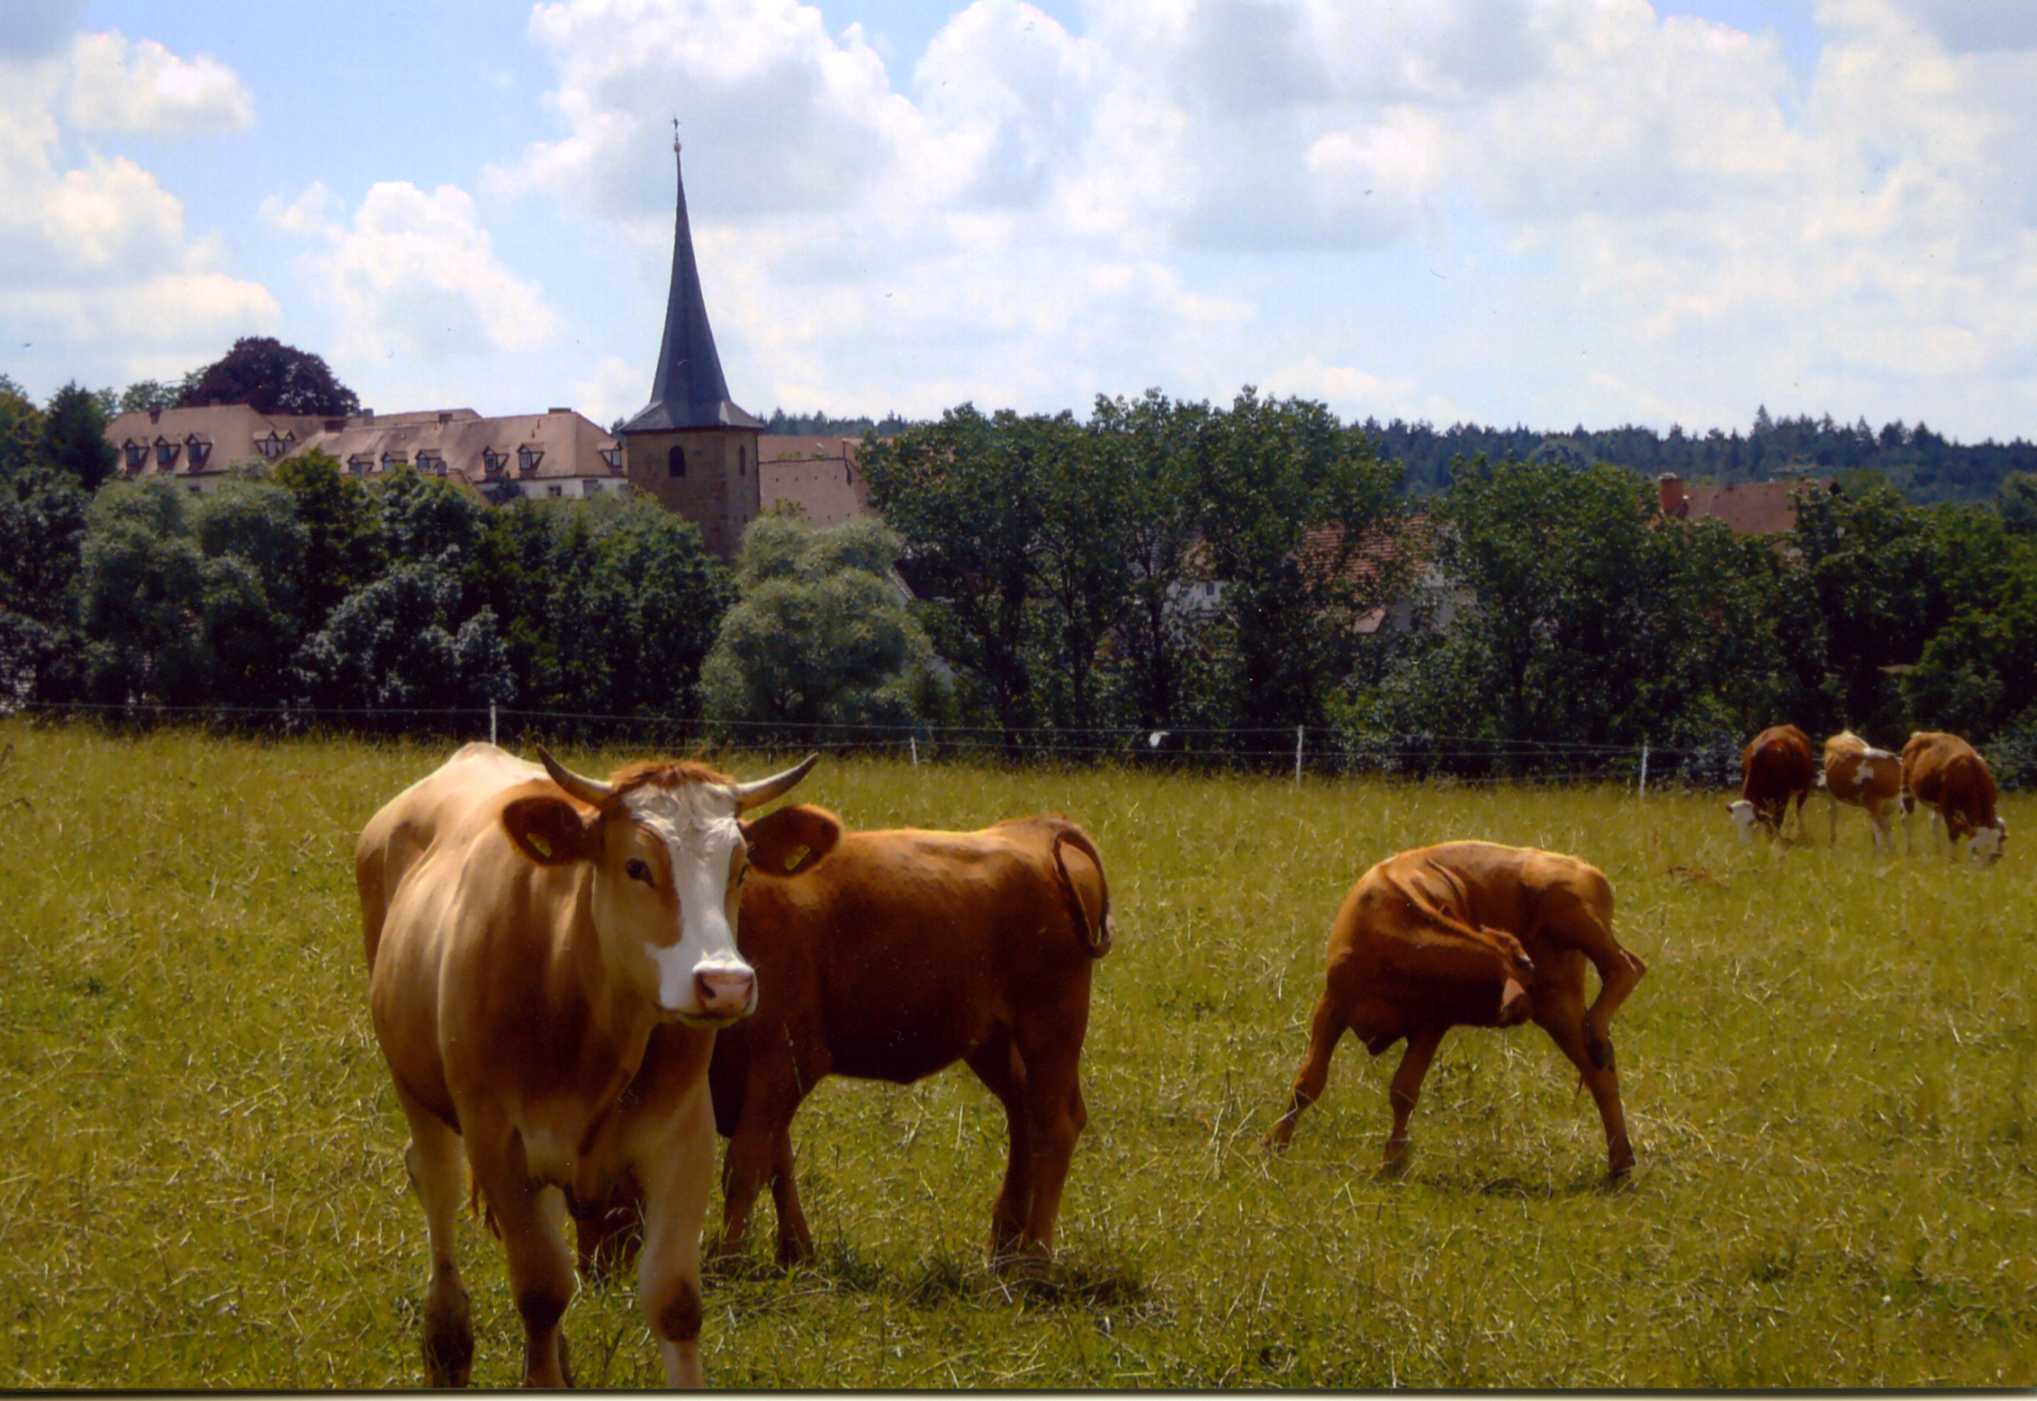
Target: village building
(691, 447)
(1750, 508)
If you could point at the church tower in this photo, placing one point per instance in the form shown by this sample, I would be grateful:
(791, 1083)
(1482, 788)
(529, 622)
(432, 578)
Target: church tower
(691, 447)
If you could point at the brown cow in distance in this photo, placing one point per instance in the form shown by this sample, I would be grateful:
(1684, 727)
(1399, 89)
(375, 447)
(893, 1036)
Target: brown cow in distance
(1944, 773)
(1471, 934)
(898, 954)
(527, 929)
(1774, 769)
(1870, 779)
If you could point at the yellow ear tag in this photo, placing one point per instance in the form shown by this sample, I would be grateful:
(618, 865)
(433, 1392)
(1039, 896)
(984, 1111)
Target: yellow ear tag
(544, 848)
(795, 856)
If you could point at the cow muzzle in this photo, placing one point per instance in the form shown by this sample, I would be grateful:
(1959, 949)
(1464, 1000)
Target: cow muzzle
(720, 996)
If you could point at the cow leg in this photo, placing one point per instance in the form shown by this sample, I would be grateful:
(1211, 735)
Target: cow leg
(676, 1181)
(531, 1219)
(437, 1167)
(745, 1168)
(1589, 931)
(997, 1065)
(1051, 1049)
(1325, 1028)
(1406, 1091)
(795, 1241)
(1565, 1022)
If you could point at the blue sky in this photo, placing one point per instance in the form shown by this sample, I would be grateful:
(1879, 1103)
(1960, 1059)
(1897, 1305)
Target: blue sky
(1595, 211)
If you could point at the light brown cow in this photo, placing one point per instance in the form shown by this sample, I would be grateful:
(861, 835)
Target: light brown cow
(1867, 778)
(892, 957)
(1944, 773)
(527, 929)
(1774, 768)
(1471, 934)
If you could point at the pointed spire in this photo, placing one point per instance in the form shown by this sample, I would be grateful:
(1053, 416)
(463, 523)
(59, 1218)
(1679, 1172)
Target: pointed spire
(688, 390)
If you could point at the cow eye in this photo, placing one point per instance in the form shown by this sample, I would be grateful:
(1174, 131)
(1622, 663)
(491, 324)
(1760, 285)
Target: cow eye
(637, 870)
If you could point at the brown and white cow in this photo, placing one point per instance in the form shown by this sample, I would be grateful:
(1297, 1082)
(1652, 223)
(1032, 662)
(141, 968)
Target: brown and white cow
(1944, 773)
(1867, 778)
(527, 930)
(890, 957)
(1471, 934)
(1774, 768)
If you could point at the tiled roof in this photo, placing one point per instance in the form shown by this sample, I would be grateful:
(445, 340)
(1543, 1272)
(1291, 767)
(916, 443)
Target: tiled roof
(817, 474)
(1750, 508)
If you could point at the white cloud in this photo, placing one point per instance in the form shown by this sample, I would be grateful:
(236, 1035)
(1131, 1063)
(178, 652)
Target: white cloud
(117, 85)
(412, 274)
(104, 276)
(614, 388)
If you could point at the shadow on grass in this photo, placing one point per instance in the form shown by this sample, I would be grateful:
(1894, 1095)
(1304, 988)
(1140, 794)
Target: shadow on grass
(941, 1279)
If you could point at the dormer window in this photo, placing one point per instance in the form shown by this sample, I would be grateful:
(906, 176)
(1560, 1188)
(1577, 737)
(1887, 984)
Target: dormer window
(432, 461)
(528, 457)
(360, 462)
(613, 457)
(200, 450)
(166, 453)
(137, 455)
(392, 459)
(494, 461)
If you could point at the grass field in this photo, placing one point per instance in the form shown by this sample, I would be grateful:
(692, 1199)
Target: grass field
(1827, 1072)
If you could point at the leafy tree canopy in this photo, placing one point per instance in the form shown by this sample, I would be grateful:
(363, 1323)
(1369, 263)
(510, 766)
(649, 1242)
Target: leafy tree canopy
(271, 376)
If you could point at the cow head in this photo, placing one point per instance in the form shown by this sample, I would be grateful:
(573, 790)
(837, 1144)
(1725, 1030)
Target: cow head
(1745, 818)
(666, 859)
(1986, 846)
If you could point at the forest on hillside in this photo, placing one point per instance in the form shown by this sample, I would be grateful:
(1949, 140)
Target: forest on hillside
(1924, 465)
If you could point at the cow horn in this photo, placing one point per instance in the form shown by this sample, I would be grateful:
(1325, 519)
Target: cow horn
(763, 790)
(591, 791)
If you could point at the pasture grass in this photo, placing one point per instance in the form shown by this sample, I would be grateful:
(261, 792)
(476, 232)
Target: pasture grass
(1827, 1073)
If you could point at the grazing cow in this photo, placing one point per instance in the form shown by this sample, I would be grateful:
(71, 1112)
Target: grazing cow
(1943, 772)
(1471, 934)
(527, 930)
(1774, 768)
(1868, 778)
(897, 955)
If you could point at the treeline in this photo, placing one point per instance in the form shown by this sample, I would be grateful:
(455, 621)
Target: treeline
(1924, 466)
(1161, 578)
(821, 425)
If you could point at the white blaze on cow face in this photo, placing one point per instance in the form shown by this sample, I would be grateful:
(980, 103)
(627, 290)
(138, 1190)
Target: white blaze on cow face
(697, 975)
(1742, 813)
(1986, 845)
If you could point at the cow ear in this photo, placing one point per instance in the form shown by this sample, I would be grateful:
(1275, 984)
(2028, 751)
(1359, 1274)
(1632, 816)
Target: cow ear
(792, 840)
(547, 828)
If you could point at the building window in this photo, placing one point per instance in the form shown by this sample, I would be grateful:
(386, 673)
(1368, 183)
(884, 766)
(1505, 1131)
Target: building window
(742, 460)
(432, 461)
(613, 457)
(528, 457)
(200, 450)
(393, 459)
(137, 455)
(360, 462)
(197, 490)
(675, 461)
(494, 461)
(555, 490)
(166, 453)
(270, 447)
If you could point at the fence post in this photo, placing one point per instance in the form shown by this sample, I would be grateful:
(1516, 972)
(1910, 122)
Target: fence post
(1297, 753)
(1644, 768)
(491, 722)
(913, 740)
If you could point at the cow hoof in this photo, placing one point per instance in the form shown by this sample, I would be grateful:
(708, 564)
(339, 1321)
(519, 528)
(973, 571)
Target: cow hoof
(1395, 1163)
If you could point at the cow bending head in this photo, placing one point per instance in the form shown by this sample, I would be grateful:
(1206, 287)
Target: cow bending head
(1745, 818)
(667, 859)
(1986, 846)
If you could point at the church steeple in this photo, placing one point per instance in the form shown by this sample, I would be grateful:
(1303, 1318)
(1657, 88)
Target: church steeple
(688, 390)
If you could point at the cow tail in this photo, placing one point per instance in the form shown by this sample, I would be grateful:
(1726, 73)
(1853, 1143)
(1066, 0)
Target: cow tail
(1097, 937)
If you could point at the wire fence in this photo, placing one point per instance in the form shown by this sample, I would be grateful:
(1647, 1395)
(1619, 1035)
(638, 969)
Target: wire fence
(1297, 751)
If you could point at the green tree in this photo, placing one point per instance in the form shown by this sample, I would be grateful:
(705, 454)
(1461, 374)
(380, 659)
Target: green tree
(820, 635)
(42, 529)
(964, 496)
(399, 643)
(22, 441)
(146, 394)
(139, 599)
(272, 377)
(343, 547)
(1867, 560)
(74, 436)
(2016, 499)
(1294, 510)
